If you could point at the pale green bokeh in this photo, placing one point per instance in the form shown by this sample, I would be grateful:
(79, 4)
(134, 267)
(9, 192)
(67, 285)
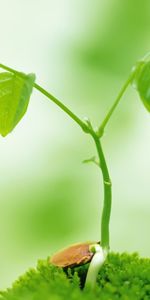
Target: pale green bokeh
(82, 52)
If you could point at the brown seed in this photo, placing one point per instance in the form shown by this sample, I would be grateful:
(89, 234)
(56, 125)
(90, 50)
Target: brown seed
(74, 255)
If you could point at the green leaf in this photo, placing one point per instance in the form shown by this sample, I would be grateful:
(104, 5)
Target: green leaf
(15, 91)
(142, 83)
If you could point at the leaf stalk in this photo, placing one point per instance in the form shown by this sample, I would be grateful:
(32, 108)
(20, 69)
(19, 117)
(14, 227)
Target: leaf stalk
(113, 107)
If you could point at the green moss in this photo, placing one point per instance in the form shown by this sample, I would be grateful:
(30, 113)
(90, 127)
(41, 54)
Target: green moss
(123, 276)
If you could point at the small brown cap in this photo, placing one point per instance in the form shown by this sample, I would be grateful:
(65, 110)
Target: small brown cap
(74, 255)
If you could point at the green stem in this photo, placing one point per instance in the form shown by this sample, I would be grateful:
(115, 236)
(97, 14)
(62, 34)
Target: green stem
(63, 107)
(109, 114)
(107, 195)
(102, 251)
(9, 69)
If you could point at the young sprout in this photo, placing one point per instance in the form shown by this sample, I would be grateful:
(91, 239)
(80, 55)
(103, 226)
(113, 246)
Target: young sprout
(15, 91)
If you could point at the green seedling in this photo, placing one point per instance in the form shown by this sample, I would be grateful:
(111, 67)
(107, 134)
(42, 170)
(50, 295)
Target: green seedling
(15, 91)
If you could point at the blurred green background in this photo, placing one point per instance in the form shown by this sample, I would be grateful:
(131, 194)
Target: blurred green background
(82, 52)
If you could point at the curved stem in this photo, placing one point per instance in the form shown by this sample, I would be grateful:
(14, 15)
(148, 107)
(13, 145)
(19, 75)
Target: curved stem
(106, 119)
(107, 195)
(9, 69)
(102, 250)
(63, 107)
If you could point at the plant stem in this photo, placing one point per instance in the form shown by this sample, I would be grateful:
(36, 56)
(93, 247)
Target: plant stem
(63, 107)
(9, 69)
(106, 119)
(102, 250)
(107, 194)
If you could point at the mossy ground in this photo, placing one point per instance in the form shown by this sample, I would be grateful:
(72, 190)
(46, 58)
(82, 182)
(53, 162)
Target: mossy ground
(123, 276)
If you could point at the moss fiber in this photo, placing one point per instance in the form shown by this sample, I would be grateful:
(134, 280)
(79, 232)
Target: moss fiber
(123, 276)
